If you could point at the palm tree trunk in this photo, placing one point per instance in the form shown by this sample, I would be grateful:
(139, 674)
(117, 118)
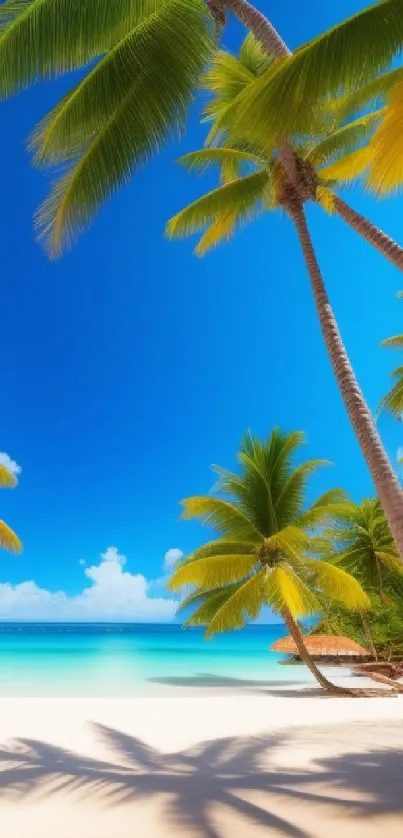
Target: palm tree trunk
(259, 25)
(372, 234)
(368, 636)
(387, 485)
(298, 639)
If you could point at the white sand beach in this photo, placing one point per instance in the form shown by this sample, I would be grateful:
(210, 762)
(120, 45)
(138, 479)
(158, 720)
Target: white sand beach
(208, 765)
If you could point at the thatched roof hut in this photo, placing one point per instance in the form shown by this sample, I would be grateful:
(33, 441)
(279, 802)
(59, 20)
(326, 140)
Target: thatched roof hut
(325, 647)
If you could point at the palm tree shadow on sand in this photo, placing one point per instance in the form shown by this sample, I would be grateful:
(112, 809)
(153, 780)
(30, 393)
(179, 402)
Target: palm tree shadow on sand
(217, 774)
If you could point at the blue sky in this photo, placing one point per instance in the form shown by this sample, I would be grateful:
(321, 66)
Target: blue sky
(130, 365)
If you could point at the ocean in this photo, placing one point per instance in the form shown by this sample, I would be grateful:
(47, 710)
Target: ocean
(123, 660)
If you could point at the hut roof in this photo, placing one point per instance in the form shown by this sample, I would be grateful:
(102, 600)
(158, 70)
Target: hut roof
(322, 645)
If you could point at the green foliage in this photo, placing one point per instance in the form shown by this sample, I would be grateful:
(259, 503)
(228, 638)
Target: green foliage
(126, 105)
(393, 400)
(382, 628)
(267, 541)
(281, 100)
(363, 546)
(249, 163)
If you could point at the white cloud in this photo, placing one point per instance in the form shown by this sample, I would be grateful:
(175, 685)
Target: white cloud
(171, 557)
(113, 594)
(10, 464)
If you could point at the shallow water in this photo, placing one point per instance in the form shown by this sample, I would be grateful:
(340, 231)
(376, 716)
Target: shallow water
(121, 660)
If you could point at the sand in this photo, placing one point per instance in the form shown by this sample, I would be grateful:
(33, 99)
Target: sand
(212, 765)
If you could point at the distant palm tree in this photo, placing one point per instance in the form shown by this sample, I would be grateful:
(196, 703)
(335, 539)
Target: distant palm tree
(266, 546)
(364, 547)
(393, 401)
(254, 181)
(8, 539)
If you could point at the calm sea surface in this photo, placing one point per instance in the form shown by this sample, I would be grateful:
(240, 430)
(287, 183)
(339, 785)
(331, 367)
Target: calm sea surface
(121, 660)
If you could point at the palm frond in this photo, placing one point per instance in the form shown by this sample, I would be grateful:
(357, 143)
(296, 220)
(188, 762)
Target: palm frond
(386, 172)
(7, 479)
(371, 94)
(221, 547)
(339, 585)
(242, 604)
(326, 198)
(395, 342)
(231, 160)
(290, 500)
(8, 539)
(208, 603)
(285, 590)
(347, 168)
(222, 516)
(344, 139)
(390, 560)
(241, 197)
(122, 111)
(221, 229)
(253, 56)
(45, 38)
(213, 572)
(281, 100)
(393, 401)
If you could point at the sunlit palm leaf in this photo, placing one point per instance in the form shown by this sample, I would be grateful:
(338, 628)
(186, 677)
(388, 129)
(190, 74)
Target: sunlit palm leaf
(213, 572)
(344, 139)
(222, 516)
(7, 480)
(391, 561)
(208, 603)
(231, 159)
(349, 167)
(284, 590)
(326, 198)
(244, 603)
(386, 172)
(240, 197)
(8, 539)
(393, 401)
(345, 57)
(221, 547)
(253, 56)
(220, 230)
(338, 585)
(373, 93)
(395, 342)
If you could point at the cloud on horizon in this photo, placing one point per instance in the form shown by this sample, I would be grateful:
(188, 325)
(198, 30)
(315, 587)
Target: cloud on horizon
(113, 595)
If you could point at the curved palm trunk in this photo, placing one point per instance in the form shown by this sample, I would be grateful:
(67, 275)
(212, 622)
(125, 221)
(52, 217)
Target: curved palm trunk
(261, 27)
(372, 234)
(298, 639)
(388, 488)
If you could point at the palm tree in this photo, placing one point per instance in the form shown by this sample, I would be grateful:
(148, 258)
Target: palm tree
(347, 57)
(268, 187)
(393, 400)
(142, 60)
(364, 547)
(266, 546)
(8, 539)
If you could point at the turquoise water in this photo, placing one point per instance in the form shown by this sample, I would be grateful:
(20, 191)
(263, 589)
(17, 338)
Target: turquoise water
(122, 660)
